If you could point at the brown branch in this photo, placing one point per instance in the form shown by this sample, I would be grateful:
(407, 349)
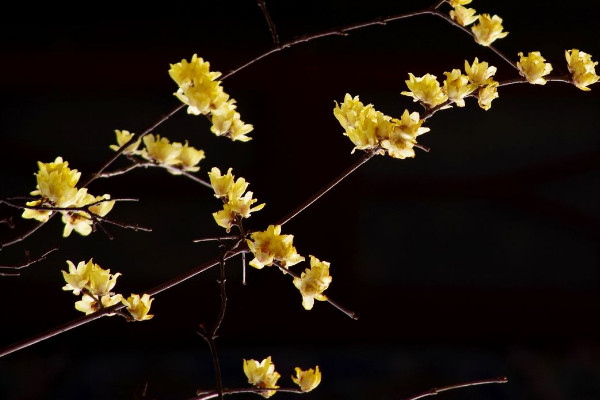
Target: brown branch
(211, 395)
(13, 270)
(435, 391)
(147, 164)
(263, 7)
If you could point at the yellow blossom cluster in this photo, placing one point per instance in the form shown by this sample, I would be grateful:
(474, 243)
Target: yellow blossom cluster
(313, 282)
(263, 375)
(175, 157)
(57, 187)
(271, 246)
(201, 91)
(236, 204)
(96, 284)
(457, 86)
(370, 129)
(486, 31)
(534, 67)
(582, 68)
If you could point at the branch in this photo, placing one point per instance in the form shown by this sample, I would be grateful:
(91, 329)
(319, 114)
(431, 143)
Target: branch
(212, 395)
(14, 269)
(435, 391)
(263, 7)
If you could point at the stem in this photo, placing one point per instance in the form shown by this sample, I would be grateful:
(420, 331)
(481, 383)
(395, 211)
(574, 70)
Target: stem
(435, 391)
(14, 269)
(212, 395)
(263, 7)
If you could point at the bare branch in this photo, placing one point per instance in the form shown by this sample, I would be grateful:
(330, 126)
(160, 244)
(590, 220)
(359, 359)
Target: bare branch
(263, 7)
(14, 270)
(435, 391)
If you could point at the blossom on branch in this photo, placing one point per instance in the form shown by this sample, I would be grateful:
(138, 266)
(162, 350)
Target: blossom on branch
(534, 67)
(457, 86)
(488, 29)
(582, 68)
(271, 246)
(124, 137)
(262, 375)
(403, 136)
(463, 16)
(175, 156)
(487, 94)
(307, 380)
(138, 306)
(480, 73)
(313, 282)
(425, 89)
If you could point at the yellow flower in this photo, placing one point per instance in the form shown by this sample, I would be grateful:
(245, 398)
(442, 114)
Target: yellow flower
(457, 87)
(307, 380)
(262, 375)
(101, 280)
(456, 3)
(189, 158)
(161, 150)
(360, 122)
(78, 277)
(56, 183)
(425, 89)
(534, 67)
(79, 222)
(124, 137)
(487, 94)
(313, 282)
(39, 215)
(582, 68)
(463, 16)
(488, 29)
(269, 246)
(479, 73)
(225, 218)
(221, 183)
(402, 138)
(89, 305)
(226, 122)
(139, 307)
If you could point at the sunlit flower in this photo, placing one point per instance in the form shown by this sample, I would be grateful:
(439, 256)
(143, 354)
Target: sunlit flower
(241, 205)
(360, 122)
(402, 138)
(39, 215)
(487, 94)
(77, 277)
(262, 375)
(101, 280)
(479, 72)
(425, 89)
(457, 87)
(56, 183)
(456, 3)
(124, 137)
(225, 218)
(80, 222)
(269, 246)
(463, 16)
(582, 68)
(138, 306)
(189, 157)
(161, 150)
(313, 282)
(488, 29)
(90, 305)
(221, 183)
(534, 67)
(226, 122)
(307, 380)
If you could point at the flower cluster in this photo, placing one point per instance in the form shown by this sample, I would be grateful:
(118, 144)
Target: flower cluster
(96, 285)
(486, 31)
(271, 246)
(370, 129)
(534, 67)
(236, 204)
(457, 86)
(582, 68)
(201, 91)
(56, 184)
(175, 157)
(313, 282)
(263, 375)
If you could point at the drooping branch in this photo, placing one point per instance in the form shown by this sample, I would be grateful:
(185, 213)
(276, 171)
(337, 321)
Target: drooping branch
(15, 270)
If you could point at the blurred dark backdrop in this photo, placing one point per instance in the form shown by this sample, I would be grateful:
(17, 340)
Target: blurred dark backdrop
(477, 259)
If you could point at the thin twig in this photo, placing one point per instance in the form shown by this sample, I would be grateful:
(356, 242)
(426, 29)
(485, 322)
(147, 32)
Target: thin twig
(435, 391)
(263, 7)
(216, 239)
(17, 268)
(212, 395)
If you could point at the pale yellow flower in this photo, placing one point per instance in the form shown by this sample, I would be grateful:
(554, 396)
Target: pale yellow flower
(488, 29)
(80, 222)
(262, 375)
(487, 94)
(307, 380)
(457, 86)
(456, 3)
(101, 280)
(402, 138)
(479, 72)
(360, 122)
(425, 89)
(225, 218)
(124, 137)
(161, 150)
(463, 16)
(90, 305)
(189, 157)
(313, 282)
(39, 215)
(138, 306)
(226, 122)
(241, 205)
(534, 67)
(582, 68)
(103, 205)
(221, 183)
(78, 277)
(269, 246)
(56, 183)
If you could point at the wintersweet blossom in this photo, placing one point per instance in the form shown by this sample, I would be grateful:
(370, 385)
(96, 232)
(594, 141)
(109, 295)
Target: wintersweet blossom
(56, 183)
(360, 122)
(403, 137)
(221, 183)
(124, 137)
(463, 16)
(425, 89)
(582, 68)
(457, 86)
(534, 67)
(486, 94)
(138, 306)
(479, 73)
(270, 245)
(488, 29)
(81, 221)
(313, 282)
(262, 375)
(161, 150)
(456, 3)
(101, 280)
(226, 122)
(77, 277)
(89, 304)
(307, 380)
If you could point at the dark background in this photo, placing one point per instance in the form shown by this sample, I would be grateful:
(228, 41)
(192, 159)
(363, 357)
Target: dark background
(475, 260)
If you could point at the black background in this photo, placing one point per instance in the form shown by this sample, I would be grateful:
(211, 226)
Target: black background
(477, 259)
